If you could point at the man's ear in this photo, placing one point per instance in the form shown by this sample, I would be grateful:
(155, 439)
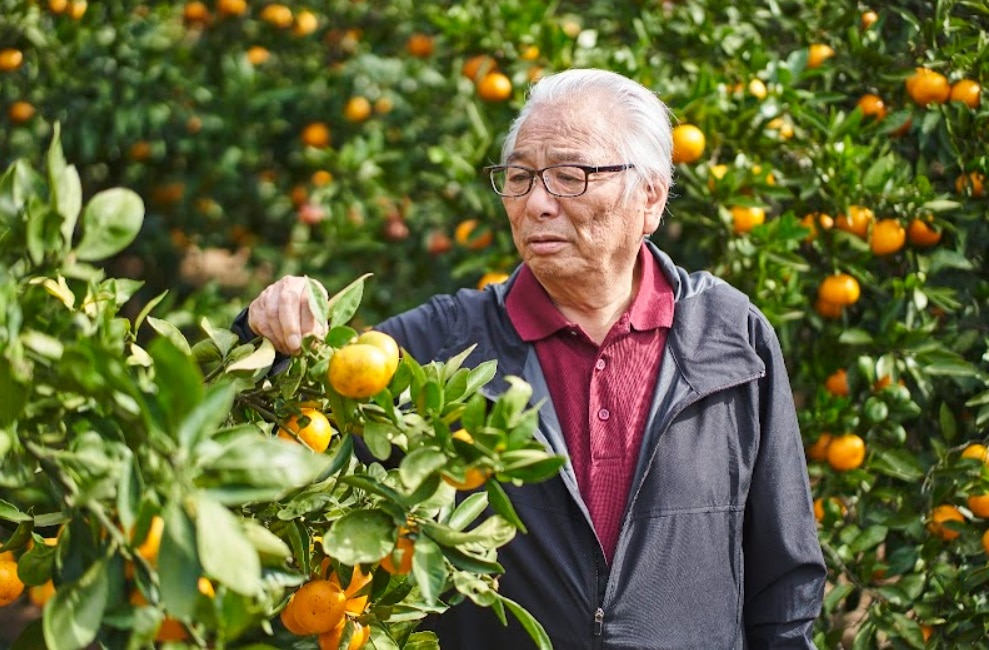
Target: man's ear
(655, 204)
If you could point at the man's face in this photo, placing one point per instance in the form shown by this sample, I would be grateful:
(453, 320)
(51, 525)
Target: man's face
(591, 238)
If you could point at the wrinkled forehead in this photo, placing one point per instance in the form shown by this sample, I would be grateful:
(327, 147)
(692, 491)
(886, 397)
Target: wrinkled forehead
(583, 129)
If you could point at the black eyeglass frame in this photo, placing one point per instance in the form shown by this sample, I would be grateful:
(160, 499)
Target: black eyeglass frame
(587, 169)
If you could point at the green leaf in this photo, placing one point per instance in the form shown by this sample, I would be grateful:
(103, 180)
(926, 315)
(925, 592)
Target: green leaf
(467, 562)
(179, 567)
(32, 637)
(472, 419)
(344, 304)
(66, 188)
(262, 357)
(110, 222)
(10, 512)
(468, 510)
(453, 364)
(419, 464)
(529, 622)
(429, 569)
(267, 543)
(378, 438)
(318, 303)
(501, 504)
(869, 538)
(13, 396)
(74, 614)
(224, 549)
(898, 463)
(361, 537)
(170, 332)
(179, 382)
(207, 416)
(224, 339)
(492, 532)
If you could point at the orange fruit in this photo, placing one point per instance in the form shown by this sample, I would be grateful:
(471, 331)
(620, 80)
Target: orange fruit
(438, 243)
(20, 112)
(404, 547)
(872, 106)
(287, 617)
(306, 22)
(278, 15)
(783, 127)
(967, 92)
(857, 220)
(925, 632)
(195, 12)
(985, 541)
(357, 109)
(149, 547)
(921, 235)
(58, 6)
(529, 52)
(316, 134)
(715, 174)
(846, 452)
(972, 182)
(828, 309)
(818, 450)
(745, 218)
(316, 434)
(321, 177)
(888, 236)
(171, 630)
(812, 221)
(926, 86)
(839, 289)
(386, 344)
(41, 594)
(494, 87)
(819, 507)
(941, 514)
(77, 9)
(817, 54)
(359, 370)
(383, 105)
(478, 65)
(688, 143)
(257, 54)
(140, 151)
(331, 640)
(421, 45)
(757, 88)
(11, 586)
(474, 478)
(318, 606)
(358, 580)
(465, 236)
(976, 451)
(979, 505)
(10, 59)
(491, 277)
(837, 383)
(869, 18)
(231, 7)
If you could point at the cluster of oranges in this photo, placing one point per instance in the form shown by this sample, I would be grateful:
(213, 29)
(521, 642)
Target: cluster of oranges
(492, 84)
(947, 520)
(365, 367)
(324, 607)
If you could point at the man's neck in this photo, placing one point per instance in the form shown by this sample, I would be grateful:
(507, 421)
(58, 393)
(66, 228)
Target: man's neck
(596, 309)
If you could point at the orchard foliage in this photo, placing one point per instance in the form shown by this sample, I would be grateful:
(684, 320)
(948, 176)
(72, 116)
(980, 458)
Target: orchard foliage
(842, 189)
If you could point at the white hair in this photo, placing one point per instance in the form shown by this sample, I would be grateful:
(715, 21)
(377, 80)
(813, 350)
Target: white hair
(642, 133)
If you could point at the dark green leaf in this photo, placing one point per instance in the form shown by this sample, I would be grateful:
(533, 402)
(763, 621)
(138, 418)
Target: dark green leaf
(429, 569)
(207, 416)
(74, 614)
(529, 622)
(344, 304)
(501, 504)
(179, 568)
(180, 384)
(361, 537)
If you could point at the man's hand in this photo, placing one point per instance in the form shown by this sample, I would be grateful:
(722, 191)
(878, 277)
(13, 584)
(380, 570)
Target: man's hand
(281, 314)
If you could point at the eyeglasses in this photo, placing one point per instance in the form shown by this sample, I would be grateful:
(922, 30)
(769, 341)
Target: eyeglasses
(565, 181)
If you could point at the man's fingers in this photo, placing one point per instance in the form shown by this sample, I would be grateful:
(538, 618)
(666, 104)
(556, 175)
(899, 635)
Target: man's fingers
(288, 316)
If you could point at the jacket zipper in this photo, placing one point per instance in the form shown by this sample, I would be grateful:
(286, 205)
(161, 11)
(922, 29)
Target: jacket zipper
(598, 621)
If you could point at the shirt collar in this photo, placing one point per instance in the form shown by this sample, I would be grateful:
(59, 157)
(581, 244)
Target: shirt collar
(535, 317)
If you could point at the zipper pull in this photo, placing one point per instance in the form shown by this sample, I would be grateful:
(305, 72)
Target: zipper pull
(598, 621)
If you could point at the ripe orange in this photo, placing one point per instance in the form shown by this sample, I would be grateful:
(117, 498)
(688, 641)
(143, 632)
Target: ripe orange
(979, 505)
(921, 235)
(10, 59)
(318, 606)
(405, 547)
(11, 586)
(321, 177)
(828, 309)
(41, 594)
(857, 220)
(872, 106)
(287, 617)
(839, 289)
(316, 434)
(331, 640)
(386, 344)
(837, 383)
(420, 45)
(688, 143)
(846, 452)
(474, 478)
(306, 22)
(926, 86)
(972, 182)
(20, 112)
(529, 52)
(478, 65)
(358, 580)
(465, 236)
(149, 547)
(359, 370)
(967, 92)
(818, 450)
(357, 109)
(491, 277)
(744, 218)
(941, 514)
(171, 630)
(195, 12)
(888, 236)
(817, 54)
(278, 15)
(783, 127)
(869, 18)
(316, 134)
(819, 507)
(58, 6)
(231, 7)
(383, 105)
(813, 220)
(715, 174)
(140, 151)
(976, 451)
(438, 243)
(77, 9)
(257, 54)
(494, 87)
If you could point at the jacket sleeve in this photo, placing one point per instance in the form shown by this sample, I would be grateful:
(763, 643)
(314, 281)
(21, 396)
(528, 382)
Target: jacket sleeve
(784, 565)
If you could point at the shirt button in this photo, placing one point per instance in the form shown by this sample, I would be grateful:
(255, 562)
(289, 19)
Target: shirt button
(604, 414)
(600, 364)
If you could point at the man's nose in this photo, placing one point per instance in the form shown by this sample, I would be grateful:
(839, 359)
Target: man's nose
(539, 201)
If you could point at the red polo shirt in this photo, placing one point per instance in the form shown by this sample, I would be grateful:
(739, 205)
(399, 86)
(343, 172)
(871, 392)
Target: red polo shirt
(601, 395)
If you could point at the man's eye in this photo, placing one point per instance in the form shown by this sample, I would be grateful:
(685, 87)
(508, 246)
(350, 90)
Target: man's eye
(519, 176)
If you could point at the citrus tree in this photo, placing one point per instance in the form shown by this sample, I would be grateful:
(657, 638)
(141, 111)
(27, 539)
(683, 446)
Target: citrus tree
(173, 491)
(831, 160)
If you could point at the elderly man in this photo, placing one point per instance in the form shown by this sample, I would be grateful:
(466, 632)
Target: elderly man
(683, 517)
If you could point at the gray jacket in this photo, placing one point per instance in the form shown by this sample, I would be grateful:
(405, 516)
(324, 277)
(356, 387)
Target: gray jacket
(718, 547)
